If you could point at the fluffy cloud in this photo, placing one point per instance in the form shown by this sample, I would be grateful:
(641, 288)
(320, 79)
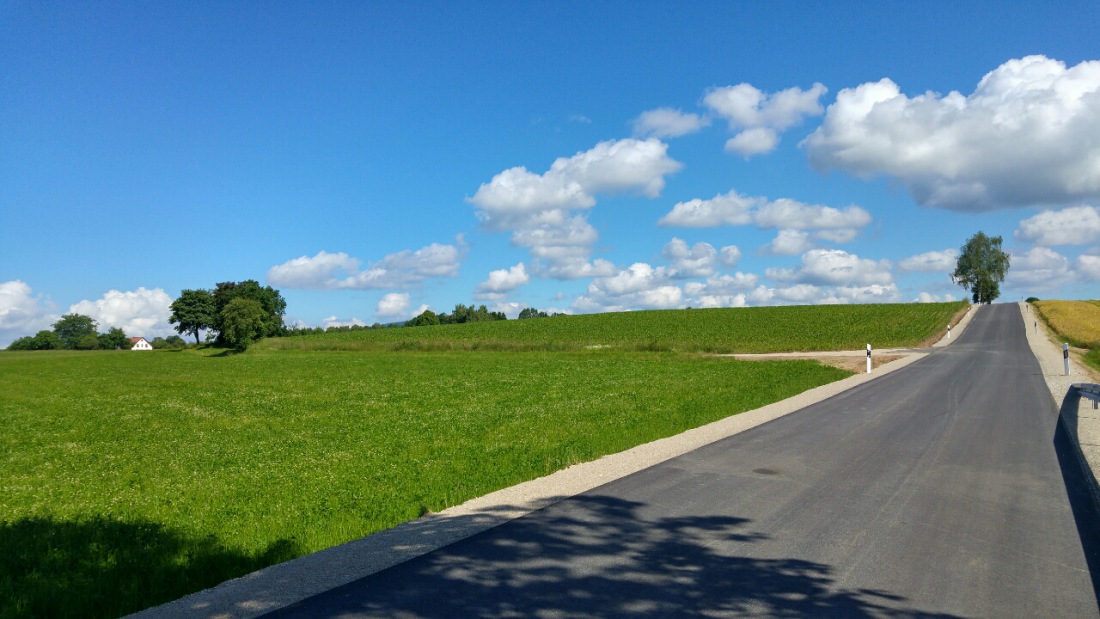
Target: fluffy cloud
(789, 243)
(1088, 267)
(759, 117)
(665, 122)
(140, 312)
(932, 262)
(699, 260)
(572, 183)
(326, 271)
(503, 281)
(793, 218)
(1039, 268)
(809, 294)
(539, 208)
(1028, 134)
(322, 271)
(1078, 225)
(21, 312)
(792, 214)
(393, 305)
(925, 297)
(639, 286)
(731, 209)
(833, 267)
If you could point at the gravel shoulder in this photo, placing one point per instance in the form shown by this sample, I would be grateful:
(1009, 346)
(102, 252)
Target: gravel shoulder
(286, 583)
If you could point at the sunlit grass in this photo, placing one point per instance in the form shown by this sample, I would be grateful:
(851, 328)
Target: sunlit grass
(129, 479)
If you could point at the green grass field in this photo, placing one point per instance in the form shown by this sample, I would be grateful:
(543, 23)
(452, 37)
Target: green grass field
(130, 479)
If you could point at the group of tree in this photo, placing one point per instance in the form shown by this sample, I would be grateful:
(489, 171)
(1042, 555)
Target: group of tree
(74, 332)
(237, 313)
(463, 313)
(80, 332)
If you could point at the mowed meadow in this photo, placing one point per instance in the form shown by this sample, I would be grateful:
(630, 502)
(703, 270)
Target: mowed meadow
(130, 479)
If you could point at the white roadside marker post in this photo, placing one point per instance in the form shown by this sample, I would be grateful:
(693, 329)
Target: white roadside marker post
(948, 331)
(868, 358)
(1065, 357)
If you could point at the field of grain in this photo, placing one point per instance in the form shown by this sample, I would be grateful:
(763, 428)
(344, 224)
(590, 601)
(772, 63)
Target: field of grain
(1078, 322)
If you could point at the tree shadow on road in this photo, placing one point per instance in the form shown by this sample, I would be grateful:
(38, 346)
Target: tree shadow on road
(600, 556)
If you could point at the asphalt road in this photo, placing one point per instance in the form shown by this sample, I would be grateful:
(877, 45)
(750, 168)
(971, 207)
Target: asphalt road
(944, 489)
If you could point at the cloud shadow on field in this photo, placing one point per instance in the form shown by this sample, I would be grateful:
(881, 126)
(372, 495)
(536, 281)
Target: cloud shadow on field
(102, 567)
(599, 556)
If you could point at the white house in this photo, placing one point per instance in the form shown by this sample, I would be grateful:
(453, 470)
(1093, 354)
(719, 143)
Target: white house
(139, 343)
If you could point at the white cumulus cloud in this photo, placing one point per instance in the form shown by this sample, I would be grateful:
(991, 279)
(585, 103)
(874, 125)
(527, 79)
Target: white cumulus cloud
(932, 262)
(1039, 268)
(759, 117)
(503, 281)
(540, 209)
(393, 305)
(328, 271)
(21, 312)
(699, 260)
(834, 267)
(140, 312)
(1078, 225)
(1028, 134)
(798, 222)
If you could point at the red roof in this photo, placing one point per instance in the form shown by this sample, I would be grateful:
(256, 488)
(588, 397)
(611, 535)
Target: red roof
(135, 340)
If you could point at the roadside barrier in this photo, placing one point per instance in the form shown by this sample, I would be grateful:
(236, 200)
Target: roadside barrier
(1090, 391)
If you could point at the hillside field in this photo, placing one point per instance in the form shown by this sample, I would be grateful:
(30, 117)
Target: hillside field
(130, 479)
(725, 330)
(1075, 322)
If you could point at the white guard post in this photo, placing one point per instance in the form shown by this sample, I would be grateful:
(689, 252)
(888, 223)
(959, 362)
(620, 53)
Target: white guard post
(1065, 357)
(868, 358)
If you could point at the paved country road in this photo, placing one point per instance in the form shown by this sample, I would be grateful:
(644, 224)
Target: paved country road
(942, 490)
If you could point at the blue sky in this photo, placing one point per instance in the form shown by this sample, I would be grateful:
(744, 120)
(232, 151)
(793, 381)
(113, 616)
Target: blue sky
(371, 159)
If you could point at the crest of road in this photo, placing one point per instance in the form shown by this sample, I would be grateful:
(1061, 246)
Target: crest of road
(942, 489)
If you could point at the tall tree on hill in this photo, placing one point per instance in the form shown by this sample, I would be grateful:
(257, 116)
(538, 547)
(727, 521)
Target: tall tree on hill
(981, 267)
(193, 311)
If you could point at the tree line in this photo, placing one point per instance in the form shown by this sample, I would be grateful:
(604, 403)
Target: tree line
(233, 314)
(80, 332)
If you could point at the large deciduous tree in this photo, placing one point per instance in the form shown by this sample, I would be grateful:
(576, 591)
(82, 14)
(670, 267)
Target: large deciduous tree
(981, 267)
(193, 311)
(243, 322)
(73, 330)
(271, 303)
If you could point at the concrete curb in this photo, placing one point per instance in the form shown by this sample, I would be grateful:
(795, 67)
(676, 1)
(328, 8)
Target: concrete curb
(286, 583)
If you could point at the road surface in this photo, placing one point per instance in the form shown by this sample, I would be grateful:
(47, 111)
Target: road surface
(942, 490)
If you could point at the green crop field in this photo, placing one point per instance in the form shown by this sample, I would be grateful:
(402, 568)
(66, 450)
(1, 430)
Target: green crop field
(130, 479)
(744, 330)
